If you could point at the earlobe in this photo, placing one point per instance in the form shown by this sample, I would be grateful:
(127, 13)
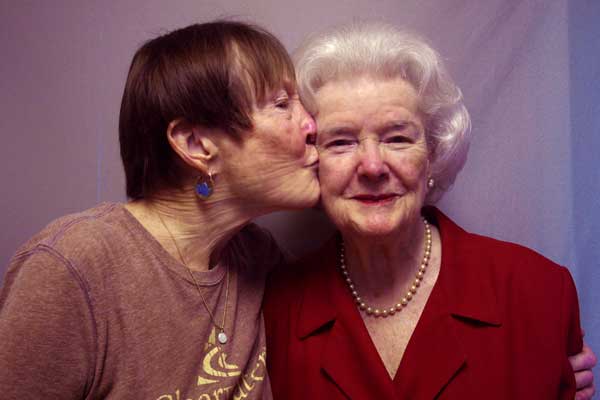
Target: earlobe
(192, 144)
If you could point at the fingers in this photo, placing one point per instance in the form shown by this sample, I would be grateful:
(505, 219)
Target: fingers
(585, 394)
(584, 378)
(582, 365)
(586, 360)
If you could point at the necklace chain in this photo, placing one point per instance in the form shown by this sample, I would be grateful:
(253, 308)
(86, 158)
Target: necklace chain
(386, 312)
(222, 336)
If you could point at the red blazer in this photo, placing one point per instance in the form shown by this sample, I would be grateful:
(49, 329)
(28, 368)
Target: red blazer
(499, 324)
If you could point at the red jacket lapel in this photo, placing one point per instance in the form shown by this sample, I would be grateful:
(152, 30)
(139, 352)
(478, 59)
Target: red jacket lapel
(460, 300)
(356, 374)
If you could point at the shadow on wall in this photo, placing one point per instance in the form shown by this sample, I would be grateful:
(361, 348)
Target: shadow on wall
(298, 232)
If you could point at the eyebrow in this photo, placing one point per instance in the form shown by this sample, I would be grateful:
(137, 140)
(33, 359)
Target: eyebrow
(349, 129)
(337, 130)
(390, 126)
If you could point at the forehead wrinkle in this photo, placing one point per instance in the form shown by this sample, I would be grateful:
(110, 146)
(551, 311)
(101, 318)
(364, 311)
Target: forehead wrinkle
(395, 124)
(338, 130)
(348, 90)
(341, 101)
(406, 117)
(377, 108)
(378, 122)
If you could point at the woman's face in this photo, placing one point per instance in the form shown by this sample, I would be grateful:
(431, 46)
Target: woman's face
(374, 162)
(275, 165)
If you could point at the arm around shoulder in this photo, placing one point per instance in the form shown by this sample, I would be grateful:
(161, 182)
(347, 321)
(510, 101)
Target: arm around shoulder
(570, 314)
(571, 325)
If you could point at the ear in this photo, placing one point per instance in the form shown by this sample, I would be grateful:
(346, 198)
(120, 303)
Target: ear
(193, 144)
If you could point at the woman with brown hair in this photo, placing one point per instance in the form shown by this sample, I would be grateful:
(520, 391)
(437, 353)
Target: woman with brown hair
(160, 298)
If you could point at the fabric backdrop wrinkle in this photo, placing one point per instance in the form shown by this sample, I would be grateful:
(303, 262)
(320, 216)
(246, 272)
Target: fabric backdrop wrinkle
(584, 95)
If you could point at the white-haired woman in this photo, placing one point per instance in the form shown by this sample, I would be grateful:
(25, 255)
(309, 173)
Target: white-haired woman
(403, 303)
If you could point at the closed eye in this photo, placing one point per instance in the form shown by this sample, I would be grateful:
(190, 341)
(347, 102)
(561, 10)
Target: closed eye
(283, 103)
(396, 130)
(340, 143)
(282, 100)
(398, 139)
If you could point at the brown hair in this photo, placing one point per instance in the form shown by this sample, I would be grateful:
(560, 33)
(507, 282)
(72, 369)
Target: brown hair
(210, 75)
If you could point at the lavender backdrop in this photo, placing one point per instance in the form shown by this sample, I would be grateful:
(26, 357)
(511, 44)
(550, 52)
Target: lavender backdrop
(530, 72)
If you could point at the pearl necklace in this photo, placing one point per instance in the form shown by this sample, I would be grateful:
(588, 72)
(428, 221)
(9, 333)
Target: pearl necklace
(376, 312)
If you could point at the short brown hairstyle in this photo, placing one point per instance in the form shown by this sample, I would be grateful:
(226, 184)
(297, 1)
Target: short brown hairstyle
(209, 75)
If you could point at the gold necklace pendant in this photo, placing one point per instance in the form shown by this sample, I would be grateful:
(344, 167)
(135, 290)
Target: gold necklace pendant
(222, 336)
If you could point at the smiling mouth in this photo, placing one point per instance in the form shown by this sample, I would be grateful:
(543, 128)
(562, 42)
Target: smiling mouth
(372, 199)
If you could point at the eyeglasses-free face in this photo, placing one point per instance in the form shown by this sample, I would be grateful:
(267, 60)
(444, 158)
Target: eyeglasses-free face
(393, 137)
(373, 155)
(273, 166)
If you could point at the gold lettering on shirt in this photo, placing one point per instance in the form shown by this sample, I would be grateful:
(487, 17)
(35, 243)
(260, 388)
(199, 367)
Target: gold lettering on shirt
(261, 366)
(215, 369)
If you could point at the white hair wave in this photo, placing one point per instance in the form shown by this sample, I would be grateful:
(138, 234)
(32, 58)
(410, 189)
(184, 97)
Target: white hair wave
(382, 51)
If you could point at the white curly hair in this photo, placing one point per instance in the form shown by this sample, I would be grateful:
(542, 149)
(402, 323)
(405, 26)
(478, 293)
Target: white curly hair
(381, 50)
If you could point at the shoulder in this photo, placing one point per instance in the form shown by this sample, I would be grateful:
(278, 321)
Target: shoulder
(517, 277)
(515, 282)
(258, 240)
(512, 259)
(500, 257)
(45, 304)
(43, 277)
(533, 290)
(521, 273)
(78, 228)
(255, 251)
(76, 241)
(513, 273)
(287, 284)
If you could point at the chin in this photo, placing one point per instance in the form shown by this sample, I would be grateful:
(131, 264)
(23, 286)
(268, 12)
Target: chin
(301, 197)
(310, 198)
(374, 231)
(374, 226)
(310, 192)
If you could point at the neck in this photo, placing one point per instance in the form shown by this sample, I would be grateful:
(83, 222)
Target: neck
(384, 267)
(193, 231)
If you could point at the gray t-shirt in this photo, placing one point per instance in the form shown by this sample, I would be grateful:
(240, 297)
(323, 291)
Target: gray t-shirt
(93, 307)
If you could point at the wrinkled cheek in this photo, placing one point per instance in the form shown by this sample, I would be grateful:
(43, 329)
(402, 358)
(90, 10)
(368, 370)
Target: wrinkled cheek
(265, 171)
(328, 198)
(280, 170)
(334, 176)
(295, 145)
(337, 210)
(334, 181)
(281, 160)
(414, 168)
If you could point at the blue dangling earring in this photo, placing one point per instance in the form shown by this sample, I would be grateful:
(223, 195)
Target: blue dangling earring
(204, 187)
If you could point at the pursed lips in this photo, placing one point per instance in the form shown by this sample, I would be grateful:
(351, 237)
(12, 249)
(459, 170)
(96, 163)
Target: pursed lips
(312, 160)
(313, 165)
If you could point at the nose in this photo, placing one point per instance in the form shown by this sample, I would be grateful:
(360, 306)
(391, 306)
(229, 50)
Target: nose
(308, 126)
(371, 164)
